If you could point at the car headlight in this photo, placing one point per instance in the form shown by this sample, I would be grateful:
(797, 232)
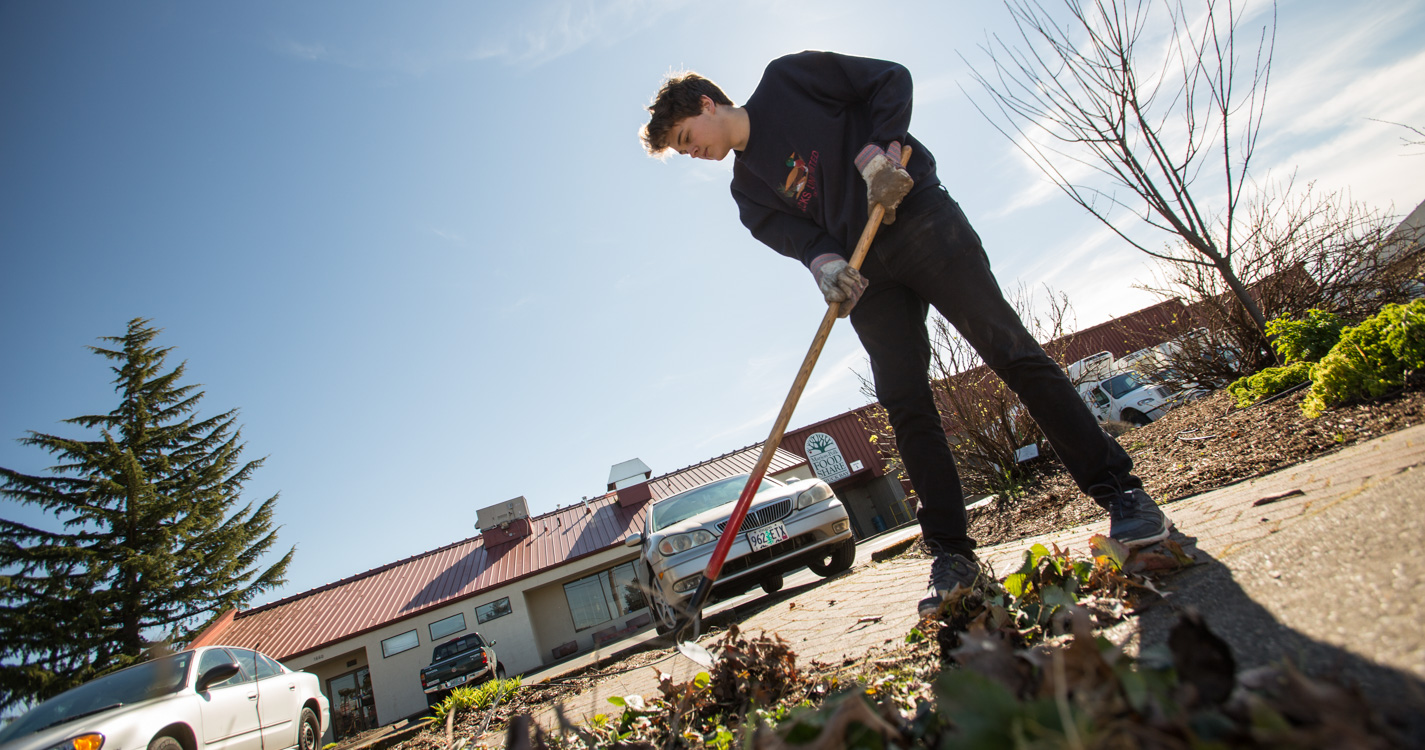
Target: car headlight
(815, 494)
(89, 741)
(683, 542)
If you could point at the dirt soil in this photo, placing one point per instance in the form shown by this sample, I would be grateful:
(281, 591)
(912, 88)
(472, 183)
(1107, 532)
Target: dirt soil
(1200, 446)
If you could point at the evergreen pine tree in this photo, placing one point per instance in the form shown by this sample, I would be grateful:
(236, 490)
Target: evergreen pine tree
(150, 548)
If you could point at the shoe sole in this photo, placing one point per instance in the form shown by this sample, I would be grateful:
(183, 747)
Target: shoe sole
(929, 611)
(1149, 540)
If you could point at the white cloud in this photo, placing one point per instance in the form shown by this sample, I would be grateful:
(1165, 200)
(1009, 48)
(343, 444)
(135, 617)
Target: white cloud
(303, 50)
(565, 26)
(515, 308)
(450, 236)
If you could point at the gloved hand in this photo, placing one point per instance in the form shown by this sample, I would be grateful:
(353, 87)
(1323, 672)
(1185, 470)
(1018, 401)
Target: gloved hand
(839, 282)
(887, 182)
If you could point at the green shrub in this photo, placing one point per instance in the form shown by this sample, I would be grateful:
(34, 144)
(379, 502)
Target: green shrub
(1371, 359)
(1269, 382)
(1305, 340)
(478, 697)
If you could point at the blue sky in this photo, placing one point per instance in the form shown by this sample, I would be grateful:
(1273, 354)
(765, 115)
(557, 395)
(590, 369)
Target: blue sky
(420, 248)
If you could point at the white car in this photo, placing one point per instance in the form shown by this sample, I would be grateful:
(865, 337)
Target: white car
(211, 697)
(788, 527)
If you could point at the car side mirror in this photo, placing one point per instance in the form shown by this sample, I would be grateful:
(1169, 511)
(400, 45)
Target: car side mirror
(633, 540)
(493, 642)
(217, 674)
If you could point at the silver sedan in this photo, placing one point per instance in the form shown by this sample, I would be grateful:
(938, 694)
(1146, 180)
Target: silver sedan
(213, 697)
(788, 527)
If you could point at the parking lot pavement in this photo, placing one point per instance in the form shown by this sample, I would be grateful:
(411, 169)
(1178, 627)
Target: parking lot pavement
(1316, 562)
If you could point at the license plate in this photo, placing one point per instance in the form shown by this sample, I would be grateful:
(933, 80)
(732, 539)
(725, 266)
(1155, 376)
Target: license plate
(457, 681)
(767, 536)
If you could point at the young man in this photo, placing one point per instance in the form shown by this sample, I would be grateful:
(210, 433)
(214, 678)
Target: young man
(815, 146)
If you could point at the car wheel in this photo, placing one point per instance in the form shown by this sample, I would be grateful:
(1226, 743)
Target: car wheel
(773, 584)
(834, 560)
(1136, 418)
(309, 734)
(499, 671)
(664, 616)
(165, 742)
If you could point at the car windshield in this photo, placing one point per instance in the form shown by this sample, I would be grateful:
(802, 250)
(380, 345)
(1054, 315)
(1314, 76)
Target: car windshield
(688, 504)
(456, 647)
(1121, 384)
(133, 685)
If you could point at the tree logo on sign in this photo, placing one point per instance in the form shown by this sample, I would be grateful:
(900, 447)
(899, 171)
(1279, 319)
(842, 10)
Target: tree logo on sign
(825, 458)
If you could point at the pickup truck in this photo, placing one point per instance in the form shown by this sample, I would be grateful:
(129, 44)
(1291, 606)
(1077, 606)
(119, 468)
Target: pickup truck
(465, 660)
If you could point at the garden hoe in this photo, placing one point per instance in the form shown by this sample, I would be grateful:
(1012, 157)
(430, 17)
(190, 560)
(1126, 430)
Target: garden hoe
(689, 623)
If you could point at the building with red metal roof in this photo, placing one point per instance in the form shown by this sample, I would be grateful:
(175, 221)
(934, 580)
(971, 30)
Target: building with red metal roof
(517, 583)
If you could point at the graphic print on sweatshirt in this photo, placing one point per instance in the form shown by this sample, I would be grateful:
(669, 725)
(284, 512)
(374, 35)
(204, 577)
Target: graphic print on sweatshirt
(800, 185)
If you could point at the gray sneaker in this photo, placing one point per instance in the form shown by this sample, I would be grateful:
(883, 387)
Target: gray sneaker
(1133, 518)
(948, 571)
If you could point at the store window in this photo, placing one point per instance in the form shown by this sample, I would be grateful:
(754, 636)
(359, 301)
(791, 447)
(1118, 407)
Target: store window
(453, 624)
(398, 643)
(488, 612)
(603, 596)
(353, 705)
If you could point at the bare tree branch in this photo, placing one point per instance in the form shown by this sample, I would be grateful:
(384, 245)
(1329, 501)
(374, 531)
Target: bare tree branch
(1126, 104)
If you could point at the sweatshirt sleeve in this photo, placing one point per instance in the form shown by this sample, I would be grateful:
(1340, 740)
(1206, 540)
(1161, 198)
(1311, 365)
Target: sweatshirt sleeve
(791, 235)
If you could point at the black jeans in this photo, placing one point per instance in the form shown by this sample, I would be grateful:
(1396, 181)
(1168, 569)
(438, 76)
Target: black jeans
(931, 256)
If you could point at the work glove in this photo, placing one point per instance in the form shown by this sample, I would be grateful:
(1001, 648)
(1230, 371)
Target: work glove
(887, 182)
(838, 281)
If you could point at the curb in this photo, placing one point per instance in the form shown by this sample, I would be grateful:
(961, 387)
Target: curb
(886, 553)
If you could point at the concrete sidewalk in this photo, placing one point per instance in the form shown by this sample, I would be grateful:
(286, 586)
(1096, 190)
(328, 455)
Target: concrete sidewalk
(1330, 577)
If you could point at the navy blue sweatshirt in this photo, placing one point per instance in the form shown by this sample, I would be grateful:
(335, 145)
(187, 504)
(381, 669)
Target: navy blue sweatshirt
(796, 184)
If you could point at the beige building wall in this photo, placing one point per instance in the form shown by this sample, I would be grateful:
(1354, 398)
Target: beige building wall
(555, 624)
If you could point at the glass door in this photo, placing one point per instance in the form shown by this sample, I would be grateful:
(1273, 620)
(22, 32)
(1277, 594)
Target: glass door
(352, 704)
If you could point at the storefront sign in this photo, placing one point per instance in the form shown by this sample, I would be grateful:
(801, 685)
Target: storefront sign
(825, 458)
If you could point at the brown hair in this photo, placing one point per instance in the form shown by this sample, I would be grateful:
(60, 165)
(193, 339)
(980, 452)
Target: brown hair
(680, 97)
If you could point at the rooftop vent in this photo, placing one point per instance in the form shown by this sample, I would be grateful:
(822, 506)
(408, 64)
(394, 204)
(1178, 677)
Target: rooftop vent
(628, 473)
(501, 515)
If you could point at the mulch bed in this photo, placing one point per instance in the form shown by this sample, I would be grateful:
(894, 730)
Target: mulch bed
(1200, 446)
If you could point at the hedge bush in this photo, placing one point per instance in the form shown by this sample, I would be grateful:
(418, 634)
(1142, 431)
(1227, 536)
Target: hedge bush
(1305, 340)
(1269, 382)
(1371, 359)
(476, 697)
(1300, 343)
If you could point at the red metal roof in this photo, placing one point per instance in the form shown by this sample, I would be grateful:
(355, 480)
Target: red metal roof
(1139, 329)
(311, 620)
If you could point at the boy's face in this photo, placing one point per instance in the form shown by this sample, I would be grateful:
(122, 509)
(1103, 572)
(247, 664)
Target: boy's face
(707, 135)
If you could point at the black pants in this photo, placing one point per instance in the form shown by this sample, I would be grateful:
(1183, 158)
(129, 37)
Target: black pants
(931, 256)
